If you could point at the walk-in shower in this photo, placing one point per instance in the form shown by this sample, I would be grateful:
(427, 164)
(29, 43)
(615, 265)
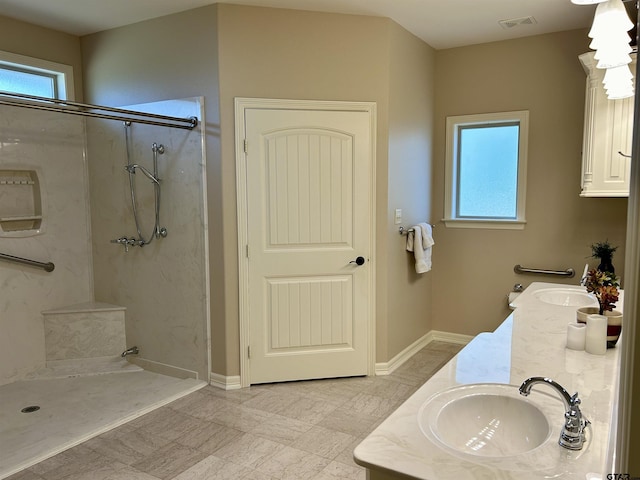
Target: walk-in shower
(75, 168)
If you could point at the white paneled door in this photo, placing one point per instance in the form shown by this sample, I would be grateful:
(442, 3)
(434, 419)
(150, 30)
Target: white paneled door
(308, 232)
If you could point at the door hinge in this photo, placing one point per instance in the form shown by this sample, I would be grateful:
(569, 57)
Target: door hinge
(249, 351)
(245, 145)
(247, 250)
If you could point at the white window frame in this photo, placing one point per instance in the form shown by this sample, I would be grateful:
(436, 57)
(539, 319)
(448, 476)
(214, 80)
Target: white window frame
(62, 73)
(451, 169)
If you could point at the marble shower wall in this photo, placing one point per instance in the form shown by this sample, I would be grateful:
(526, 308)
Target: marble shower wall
(163, 285)
(53, 146)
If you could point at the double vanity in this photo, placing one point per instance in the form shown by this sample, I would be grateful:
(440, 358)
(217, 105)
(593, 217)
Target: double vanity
(470, 420)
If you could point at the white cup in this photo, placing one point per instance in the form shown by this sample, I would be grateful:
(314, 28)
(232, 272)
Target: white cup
(596, 337)
(576, 336)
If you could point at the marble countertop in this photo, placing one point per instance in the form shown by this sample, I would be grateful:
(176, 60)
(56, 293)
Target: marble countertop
(530, 342)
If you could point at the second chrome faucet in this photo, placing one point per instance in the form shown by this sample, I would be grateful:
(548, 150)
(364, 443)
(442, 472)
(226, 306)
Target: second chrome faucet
(572, 435)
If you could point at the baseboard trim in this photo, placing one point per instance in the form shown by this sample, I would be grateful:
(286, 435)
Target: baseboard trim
(163, 368)
(456, 338)
(231, 382)
(386, 368)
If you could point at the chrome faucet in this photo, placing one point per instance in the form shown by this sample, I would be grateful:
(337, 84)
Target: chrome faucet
(572, 435)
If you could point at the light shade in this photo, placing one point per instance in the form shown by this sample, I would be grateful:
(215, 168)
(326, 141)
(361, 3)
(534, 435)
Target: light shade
(617, 38)
(587, 2)
(618, 82)
(611, 59)
(611, 16)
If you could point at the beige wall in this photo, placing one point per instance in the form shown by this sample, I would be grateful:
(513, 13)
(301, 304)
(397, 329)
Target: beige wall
(275, 53)
(543, 75)
(38, 42)
(411, 97)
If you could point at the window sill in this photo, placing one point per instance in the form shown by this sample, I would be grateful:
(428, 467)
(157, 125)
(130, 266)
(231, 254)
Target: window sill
(486, 224)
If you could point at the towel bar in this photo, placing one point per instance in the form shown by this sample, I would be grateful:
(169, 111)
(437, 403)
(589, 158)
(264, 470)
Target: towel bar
(405, 231)
(569, 272)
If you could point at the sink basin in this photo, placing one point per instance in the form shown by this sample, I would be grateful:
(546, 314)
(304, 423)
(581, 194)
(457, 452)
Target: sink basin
(566, 297)
(484, 421)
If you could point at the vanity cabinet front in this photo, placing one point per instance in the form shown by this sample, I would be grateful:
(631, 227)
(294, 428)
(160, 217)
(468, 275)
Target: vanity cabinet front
(608, 128)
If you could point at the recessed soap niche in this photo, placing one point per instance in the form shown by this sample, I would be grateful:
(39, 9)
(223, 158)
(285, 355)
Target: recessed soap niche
(21, 203)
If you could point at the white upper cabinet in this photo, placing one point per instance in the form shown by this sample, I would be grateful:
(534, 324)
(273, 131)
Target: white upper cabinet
(608, 127)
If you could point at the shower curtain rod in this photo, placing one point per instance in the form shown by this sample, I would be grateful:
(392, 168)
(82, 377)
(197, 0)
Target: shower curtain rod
(87, 110)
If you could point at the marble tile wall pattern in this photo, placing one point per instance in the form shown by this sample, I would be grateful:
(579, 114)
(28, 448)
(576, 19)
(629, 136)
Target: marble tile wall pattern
(163, 285)
(84, 331)
(54, 145)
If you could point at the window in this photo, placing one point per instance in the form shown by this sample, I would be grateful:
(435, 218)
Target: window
(485, 175)
(32, 76)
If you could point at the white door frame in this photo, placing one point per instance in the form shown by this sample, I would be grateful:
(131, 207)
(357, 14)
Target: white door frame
(241, 104)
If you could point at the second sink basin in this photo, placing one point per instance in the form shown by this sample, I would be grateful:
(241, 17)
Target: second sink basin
(484, 420)
(567, 297)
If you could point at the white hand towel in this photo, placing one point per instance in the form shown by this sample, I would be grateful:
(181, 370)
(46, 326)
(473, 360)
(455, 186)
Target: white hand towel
(427, 235)
(427, 244)
(414, 244)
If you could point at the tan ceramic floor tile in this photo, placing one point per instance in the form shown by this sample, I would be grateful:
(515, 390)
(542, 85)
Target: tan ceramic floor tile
(169, 461)
(324, 442)
(272, 401)
(214, 468)
(208, 437)
(249, 450)
(292, 464)
(309, 409)
(281, 429)
(241, 418)
(340, 471)
(127, 446)
(76, 460)
(347, 421)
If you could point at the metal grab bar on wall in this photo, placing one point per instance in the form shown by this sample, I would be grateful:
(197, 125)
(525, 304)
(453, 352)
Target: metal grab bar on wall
(569, 272)
(46, 266)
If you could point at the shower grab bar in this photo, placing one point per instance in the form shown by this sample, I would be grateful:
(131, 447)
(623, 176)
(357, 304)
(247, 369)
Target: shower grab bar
(84, 110)
(47, 267)
(569, 272)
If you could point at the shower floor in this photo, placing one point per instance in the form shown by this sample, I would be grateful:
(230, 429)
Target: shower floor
(75, 409)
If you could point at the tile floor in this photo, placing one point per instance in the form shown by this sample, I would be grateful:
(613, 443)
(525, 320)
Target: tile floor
(297, 430)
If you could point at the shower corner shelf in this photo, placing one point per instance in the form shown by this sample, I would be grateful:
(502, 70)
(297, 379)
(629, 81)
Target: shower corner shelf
(21, 207)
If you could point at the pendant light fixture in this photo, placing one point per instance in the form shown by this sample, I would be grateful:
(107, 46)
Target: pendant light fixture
(611, 41)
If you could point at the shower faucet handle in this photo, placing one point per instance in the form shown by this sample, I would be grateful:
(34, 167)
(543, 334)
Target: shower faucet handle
(124, 241)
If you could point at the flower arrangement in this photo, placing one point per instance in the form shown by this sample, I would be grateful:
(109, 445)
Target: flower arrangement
(604, 285)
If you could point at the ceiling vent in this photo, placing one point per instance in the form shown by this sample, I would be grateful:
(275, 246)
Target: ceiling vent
(516, 22)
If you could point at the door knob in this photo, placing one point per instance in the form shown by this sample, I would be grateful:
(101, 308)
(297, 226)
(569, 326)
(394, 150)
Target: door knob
(358, 261)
